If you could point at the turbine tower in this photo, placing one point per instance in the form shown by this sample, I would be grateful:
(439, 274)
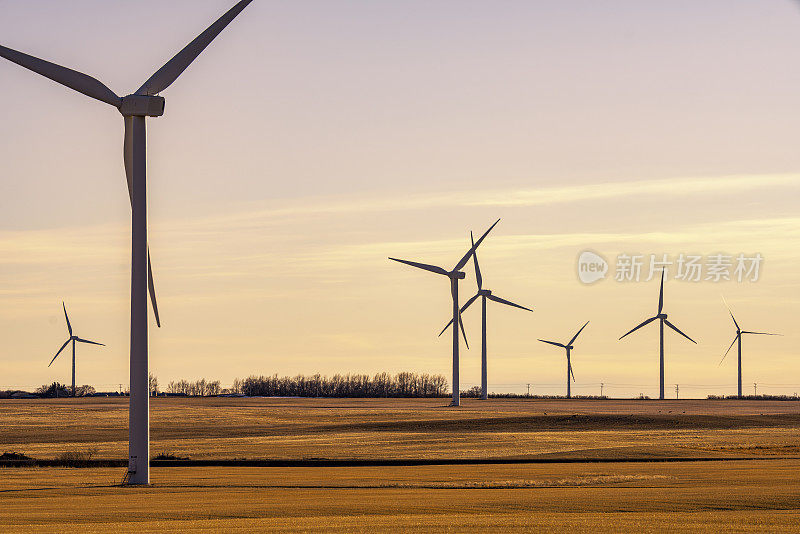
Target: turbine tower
(72, 339)
(738, 338)
(484, 294)
(662, 317)
(134, 108)
(454, 275)
(568, 348)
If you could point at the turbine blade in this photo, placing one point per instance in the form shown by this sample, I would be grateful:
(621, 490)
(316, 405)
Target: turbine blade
(571, 341)
(729, 348)
(463, 308)
(59, 351)
(669, 324)
(127, 152)
(661, 293)
(760, 333)
(463, 332)
(73, 79)
(425, 266)
(445, 327)
(729, 311)
(650, 320)
(464, 260)
(478, 277)
(90, 342)
(507, 302)
(553, 343)
(69, 326)
(469, 302)
(167, 74)
(571, 372)
(151, 287)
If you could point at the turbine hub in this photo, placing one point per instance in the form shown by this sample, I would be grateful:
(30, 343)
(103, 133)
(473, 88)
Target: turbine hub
(570, 347)
(457, 275)
(484, 292)
(142, 106)
(661, 316)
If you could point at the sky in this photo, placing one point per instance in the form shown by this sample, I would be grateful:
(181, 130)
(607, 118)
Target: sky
(313, 139)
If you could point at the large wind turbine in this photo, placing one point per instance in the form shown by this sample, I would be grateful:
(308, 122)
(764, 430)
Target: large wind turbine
(145, 102)
(484, 294)
(662, 317)
(454, 275)
(72, 339)
(568, 348)
(738, 337)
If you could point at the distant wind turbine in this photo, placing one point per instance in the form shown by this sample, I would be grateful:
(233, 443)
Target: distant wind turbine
(454, 275)
(145, 102)
(738, 337)
(484, 294)
(662, 317)
(568, 348)
(72, 339)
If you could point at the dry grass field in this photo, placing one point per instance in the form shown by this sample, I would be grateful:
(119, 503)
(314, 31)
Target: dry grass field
(759, 491)
(405, 428)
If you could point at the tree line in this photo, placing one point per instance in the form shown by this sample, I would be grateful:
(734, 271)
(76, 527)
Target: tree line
(195, 388)
(403, 384)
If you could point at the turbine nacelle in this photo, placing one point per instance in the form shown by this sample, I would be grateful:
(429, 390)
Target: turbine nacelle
(485, 292)
(458, 275)
(661, 316)
(142, 106)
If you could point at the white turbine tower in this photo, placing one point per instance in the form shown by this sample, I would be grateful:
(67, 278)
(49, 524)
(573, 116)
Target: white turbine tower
(72, 339)
(454, 275)
(738, 338)
(484, 294)
(568, 347)
(145, 102)
(662, 318)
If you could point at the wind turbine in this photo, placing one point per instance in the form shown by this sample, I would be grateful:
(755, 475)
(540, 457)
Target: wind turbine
(662, 317)
(738, 337)
(72, 339)
(145, 102)
(484, 294)
(454, 275)
(568, 348)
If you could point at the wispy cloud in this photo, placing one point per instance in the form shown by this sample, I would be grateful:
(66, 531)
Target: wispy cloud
(677, 187)
(516, 197)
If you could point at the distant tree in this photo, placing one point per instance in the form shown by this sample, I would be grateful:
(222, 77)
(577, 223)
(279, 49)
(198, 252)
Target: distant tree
(152, 383)
(236, 388)
(53, 390)
(473, 392)
(83, 391)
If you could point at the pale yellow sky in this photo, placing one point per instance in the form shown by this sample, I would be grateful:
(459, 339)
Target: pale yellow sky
(350, 132)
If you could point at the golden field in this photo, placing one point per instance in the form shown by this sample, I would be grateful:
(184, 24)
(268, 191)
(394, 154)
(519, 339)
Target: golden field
(755, 488)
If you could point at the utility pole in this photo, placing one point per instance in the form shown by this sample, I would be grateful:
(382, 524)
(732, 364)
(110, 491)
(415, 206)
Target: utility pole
(601, 389)
(755, 389)
(529, 390)
(677, 390)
